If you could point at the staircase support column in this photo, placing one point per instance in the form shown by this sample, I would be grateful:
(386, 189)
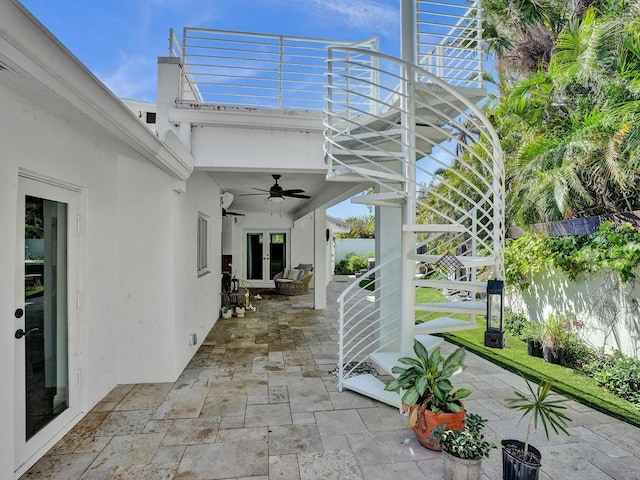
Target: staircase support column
(407, 33)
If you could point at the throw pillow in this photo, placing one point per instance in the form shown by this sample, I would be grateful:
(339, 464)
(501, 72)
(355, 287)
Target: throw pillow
(286, 273)
(293, 274)
(307, 267)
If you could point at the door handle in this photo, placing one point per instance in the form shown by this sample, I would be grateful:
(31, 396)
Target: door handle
(21, 333)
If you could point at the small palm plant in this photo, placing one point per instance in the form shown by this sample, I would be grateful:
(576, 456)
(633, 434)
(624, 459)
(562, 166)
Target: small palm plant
(543, 408)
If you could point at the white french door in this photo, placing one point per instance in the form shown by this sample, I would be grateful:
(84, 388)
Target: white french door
(46, 390)
(266, 254)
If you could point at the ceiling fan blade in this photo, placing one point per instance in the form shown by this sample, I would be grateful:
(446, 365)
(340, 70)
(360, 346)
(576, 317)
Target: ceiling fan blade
(226, 212)
(295, 190)
(260, 189)
(295, 195)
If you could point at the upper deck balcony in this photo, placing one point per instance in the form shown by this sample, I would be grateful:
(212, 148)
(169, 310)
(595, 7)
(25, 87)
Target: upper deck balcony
(243, 71)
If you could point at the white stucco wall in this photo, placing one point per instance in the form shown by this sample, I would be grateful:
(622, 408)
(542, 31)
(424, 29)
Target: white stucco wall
(197, 298)
(270, 149)
(359, 246)
(608, 309)
(140, 296)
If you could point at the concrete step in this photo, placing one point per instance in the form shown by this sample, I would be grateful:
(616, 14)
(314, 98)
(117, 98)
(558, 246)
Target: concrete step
(479, 287)
(359, 174)
(371, 387)
(443, 325)
(391, 139)
(385, 361)
(386, 199)
(472, 307)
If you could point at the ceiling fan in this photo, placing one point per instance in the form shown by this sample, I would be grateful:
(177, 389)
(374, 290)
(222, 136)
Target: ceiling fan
(276, 193)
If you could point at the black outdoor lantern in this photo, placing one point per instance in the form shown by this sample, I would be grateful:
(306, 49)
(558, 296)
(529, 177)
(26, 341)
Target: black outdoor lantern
(494, 335)
(235, 284)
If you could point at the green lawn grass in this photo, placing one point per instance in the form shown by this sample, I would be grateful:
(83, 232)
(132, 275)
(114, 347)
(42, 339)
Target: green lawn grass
(514, 357)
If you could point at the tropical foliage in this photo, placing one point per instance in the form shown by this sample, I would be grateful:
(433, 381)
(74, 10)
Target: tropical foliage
(566, 105)
(567, 126)
(616, 249)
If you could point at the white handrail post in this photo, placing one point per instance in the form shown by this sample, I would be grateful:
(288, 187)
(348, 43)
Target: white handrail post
(341, 347)
(474, 240)
(329, 127)
(479, 32)
(280, 72)
(183, 63)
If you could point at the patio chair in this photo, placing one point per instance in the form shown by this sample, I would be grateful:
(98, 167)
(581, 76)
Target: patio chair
(294, 281)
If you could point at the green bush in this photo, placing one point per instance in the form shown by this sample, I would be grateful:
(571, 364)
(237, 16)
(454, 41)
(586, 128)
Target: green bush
(353, 264)
(618, 374)
(515, 323)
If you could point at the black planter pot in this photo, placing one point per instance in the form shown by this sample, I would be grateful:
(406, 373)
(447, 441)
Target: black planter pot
(554, 355)
(534, 347)
(514, 467)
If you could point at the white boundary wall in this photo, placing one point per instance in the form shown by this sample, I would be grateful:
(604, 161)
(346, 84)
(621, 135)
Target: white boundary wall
(609, 309)
(360, 246)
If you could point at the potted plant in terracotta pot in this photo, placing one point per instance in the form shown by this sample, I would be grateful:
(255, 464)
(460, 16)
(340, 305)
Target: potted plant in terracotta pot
(520, 460)
(463, 450)
(428, 393)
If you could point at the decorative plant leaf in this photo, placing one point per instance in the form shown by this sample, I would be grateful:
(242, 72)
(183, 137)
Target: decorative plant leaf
(462, 393)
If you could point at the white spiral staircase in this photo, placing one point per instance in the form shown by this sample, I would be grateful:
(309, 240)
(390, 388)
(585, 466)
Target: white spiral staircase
(401, 127)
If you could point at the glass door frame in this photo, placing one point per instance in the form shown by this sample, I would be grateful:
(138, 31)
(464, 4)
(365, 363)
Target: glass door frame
(266, 259)
(26, 451)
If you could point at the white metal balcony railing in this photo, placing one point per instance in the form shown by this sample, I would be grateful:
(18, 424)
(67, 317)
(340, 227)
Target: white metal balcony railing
(449, 40)
(368, 318)
(255, 70)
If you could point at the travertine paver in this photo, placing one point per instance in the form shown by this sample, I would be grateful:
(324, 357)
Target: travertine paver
(257, 402)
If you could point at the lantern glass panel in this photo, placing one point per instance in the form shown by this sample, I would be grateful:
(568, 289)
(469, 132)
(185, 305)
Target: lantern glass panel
(495, 307)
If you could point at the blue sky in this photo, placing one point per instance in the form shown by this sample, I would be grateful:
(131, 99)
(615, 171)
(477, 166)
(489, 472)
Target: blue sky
(119, 40)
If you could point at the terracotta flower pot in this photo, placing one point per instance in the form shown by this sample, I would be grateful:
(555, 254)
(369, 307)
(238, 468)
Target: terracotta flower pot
(427, 421)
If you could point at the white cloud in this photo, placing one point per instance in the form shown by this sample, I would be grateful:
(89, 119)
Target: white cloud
(134, 78)
(368, 15)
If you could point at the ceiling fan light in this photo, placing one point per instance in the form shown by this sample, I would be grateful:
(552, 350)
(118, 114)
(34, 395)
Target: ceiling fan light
(276, 199)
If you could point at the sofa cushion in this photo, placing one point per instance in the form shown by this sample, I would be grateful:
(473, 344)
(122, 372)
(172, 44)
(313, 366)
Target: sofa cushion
(293, 274)
(283, 280)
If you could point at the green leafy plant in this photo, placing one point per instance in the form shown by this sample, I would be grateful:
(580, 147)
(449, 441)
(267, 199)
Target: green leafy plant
(541, 407)
(534, 331)
(618, 374)
(426, 380)
(515, 323)
(556, 330)
(613, 248)
(467, 443)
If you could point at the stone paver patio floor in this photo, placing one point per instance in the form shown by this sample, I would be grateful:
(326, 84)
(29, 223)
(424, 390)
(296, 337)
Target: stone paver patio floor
(258, 402)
